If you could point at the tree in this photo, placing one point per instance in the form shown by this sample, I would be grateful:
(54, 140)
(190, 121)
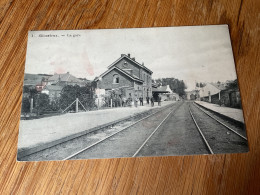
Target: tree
(42, 102)
(25, 105)
(68, 95)
(55, 104)
(177, 86)
(232, 85)
(85, 95)
(30, 90)
(202, 85)
(199, 84)
(29, 93)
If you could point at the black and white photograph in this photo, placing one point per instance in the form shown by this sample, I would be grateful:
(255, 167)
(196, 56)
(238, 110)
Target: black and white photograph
(113, 93)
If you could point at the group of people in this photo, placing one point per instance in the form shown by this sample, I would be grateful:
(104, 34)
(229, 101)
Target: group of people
(148, 100)
(122, 101)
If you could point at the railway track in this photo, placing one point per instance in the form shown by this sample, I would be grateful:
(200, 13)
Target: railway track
(61, 150)
(205, 132)
(127, 127)
(144, 137)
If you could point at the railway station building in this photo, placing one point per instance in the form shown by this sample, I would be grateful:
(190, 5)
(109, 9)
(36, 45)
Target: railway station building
(126, 78)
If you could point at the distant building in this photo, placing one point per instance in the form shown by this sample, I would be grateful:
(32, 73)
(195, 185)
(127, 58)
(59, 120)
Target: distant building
(159, 90)
(39, 87)
(126, 77)
(65, 79)
(192, 95)
(54, 91)
(171, 95)
(211, 92)
(166, 93)
(218, 93)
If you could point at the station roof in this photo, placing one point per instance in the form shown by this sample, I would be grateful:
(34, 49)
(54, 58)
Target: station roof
(131, 59)
(162, 89)
(133, 77)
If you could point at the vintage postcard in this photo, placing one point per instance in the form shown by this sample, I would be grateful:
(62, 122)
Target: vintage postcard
(112, 93)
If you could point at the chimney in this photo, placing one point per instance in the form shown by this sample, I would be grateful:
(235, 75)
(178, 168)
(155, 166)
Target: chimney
(142, 64)
(133, 59)
(128, 55)
(122, 55)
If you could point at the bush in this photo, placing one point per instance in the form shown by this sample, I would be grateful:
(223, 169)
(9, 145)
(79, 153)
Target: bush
(85, 95)
(42, 102)
(25, 105)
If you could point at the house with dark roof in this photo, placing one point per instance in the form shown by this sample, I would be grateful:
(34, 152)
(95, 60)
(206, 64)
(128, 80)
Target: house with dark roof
(126, 77)
(65, 79)
(57, 82)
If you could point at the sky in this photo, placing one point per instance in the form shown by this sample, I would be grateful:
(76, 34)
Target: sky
(190, 53)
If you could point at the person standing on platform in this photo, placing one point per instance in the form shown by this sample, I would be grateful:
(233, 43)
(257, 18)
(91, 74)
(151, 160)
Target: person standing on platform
(136, 101)
(152, 101)
(159, 100)
(147, 100)
(124, 101)
(120, 101)
(130, 100)
(141, 101)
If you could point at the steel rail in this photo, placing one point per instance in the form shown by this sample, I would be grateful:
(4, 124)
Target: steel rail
(204, 139)
(221, 122)
(154, 131)
(86, 148)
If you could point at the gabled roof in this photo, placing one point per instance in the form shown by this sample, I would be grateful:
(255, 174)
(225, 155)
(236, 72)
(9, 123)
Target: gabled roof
(218, 86)
(122, 71)
(161, 89)
(155, 85)
(127, 57)
(67, 77)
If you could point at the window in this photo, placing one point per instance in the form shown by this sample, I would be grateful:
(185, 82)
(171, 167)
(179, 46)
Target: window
(125, 65)
(116, 78)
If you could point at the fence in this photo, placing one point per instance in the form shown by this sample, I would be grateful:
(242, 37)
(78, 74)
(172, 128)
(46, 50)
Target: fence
(76, 106)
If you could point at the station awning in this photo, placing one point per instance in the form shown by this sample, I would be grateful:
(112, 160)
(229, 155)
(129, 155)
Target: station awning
(162, 89)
